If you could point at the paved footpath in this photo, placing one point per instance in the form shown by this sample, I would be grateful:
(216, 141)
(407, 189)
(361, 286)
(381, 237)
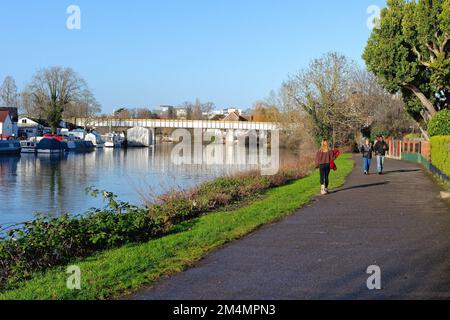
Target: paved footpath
(396, 221)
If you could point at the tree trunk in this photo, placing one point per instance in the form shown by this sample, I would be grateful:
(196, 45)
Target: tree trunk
(424, 133)
(429, 107)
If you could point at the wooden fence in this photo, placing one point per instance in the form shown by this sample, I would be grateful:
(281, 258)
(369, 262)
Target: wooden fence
(415, 150)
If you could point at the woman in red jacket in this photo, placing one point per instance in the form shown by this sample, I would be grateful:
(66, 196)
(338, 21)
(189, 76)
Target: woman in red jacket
(324, 158)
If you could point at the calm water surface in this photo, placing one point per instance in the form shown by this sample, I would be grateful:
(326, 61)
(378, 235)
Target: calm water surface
(55, 185)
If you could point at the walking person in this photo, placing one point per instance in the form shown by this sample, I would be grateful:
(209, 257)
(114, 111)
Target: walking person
(324, 158)
(380, 148)
(367, 153)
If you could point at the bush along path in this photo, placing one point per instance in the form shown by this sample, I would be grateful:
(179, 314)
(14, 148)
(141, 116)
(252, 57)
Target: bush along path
(119, 271)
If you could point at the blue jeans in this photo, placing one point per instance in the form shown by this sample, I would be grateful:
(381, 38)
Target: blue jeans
(367, 163)
(380, 163)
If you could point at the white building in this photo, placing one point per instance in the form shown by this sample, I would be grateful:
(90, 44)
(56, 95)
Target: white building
(181, 113)
(31, 127)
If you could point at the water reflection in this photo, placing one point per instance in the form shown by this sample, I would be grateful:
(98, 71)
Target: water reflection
(57, 184)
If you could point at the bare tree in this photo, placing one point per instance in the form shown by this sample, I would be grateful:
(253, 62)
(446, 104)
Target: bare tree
(144, 113)
(265, 111)
(207, 108)
(171, 114)
(197, 110)
(384, 113)
(28, 105)
(8, 93)
(323, 91)
(53, 90)
(85, 106)
(296, 134)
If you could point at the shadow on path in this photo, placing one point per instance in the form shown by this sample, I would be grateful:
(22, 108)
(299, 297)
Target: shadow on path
(362, 186)
(400, 171)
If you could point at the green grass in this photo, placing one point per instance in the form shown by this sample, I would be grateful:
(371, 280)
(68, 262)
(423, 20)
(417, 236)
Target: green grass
(120, 271)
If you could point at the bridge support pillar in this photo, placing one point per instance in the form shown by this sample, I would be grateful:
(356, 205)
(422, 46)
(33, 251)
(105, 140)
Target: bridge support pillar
(154, 138)
(263, 136)
(230, 136)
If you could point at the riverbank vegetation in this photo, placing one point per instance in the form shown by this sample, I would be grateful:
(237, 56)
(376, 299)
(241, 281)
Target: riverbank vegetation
(439, 130)
(439, 125)
(52, 241)
(440, 147)
(115, 272)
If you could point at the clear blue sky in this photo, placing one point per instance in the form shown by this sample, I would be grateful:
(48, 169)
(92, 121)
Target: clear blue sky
(139, 53)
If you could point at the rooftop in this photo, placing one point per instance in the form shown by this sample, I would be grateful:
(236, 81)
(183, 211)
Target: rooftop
(3, 116)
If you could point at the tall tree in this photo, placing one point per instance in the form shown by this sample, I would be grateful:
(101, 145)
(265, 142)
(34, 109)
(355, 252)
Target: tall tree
(197, 110)
(28, 105)
(8, 93)
(323, 91)
(385, 112)
(53, 90)
(144, 113)
(207, 108)
(409, 53)
(264, 111)
(85, 106)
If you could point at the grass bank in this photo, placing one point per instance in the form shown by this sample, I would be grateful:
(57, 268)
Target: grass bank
(120, 271)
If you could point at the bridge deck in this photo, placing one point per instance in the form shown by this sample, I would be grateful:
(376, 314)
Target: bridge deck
(178, 124)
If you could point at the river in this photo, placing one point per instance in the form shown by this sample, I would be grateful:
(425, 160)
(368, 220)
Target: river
(57, 184)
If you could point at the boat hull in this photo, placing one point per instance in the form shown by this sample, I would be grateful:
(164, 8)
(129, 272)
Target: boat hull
(50, 151)
(28, 150)
(28, 146)
(112, 145)
(9, 147)
(13, 151)
(80, 146)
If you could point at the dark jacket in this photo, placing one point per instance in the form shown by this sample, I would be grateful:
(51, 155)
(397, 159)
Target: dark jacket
(380, 148)
(366, 151)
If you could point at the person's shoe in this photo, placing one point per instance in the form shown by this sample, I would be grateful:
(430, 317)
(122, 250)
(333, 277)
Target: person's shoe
(365, 173)
(326, 191)
(380, 173)
(322, 190)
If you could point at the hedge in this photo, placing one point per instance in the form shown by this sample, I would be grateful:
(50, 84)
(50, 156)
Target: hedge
(439, 125)
(440, 153)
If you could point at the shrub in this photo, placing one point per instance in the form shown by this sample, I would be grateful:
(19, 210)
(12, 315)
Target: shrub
(440, 153)
(47, 241)
(439, 125)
